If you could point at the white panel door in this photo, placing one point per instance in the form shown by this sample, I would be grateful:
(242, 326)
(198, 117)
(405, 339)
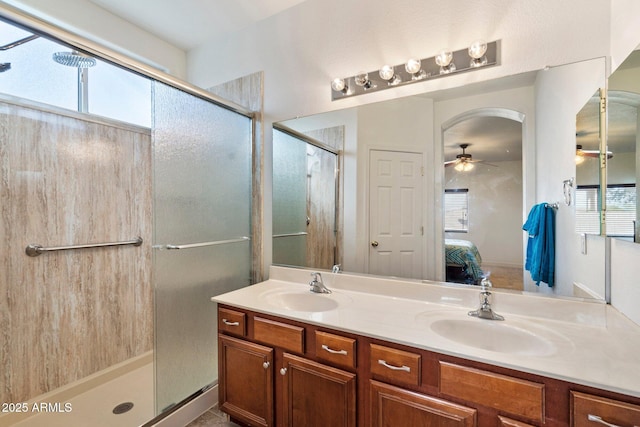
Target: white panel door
(395, 214)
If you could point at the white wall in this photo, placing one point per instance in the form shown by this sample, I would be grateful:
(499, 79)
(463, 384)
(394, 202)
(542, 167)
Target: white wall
(96, 24)
(555, 161)
(495, 211)
(625, 270)
(302, 49)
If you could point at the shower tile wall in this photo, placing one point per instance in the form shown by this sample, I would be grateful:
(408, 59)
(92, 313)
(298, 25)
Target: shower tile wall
(324, 233)
(64, 181)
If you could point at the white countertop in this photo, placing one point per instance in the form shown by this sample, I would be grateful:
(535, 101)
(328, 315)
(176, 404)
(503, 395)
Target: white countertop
(588, 343)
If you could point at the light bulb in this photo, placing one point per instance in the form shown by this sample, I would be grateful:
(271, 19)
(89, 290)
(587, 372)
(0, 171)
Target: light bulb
(413, 66)
(464, 166)
(476, 52)
(362, 79)
(477, 49)
(338, 85)
(388, 73)
(444, 58)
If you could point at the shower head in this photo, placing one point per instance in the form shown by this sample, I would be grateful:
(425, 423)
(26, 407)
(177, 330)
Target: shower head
(74, 59)
(5, 66)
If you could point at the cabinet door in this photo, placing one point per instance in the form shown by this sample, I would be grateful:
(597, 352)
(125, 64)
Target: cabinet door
(316, 395)
(392, 406)
(246, 381)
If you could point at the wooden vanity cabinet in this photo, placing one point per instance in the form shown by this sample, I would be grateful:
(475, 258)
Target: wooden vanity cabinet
(315, 394)
(280, 372)
(265, 384)
(245, 378)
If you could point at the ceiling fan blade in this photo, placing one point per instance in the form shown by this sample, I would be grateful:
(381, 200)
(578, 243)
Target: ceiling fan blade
(488, 164)
(451, 163)
(595, 153)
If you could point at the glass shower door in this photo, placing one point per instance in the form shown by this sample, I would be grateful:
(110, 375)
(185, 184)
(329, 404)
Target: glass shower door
(202, 209)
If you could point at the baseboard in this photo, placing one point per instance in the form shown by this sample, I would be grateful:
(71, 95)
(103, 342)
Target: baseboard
(581, 291)
(191, 410)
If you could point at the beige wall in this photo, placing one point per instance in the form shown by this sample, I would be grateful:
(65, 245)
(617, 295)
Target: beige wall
(67, 314)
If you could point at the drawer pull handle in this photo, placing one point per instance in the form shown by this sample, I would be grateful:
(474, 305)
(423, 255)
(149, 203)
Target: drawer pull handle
(228, 323)
(283, 371)
(597, 419)
(266, 365)
(326, 348)
(394, 368)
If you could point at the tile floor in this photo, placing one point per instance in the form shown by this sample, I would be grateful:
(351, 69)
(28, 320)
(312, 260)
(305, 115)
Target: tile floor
(213, 417)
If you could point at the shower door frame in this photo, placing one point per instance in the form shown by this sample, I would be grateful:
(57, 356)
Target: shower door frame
(200, 401)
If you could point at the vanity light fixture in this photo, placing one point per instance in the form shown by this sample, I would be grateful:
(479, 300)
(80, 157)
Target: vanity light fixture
(478, 55)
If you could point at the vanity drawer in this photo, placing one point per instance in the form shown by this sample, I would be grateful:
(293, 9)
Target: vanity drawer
(278, 334)
(395, 365)
(609, 410)
(232, 321)
(493, 390)
(336, 349)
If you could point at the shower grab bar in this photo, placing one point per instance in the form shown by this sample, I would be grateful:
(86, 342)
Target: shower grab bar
(200, 245)
(34, 250)
(301, 233)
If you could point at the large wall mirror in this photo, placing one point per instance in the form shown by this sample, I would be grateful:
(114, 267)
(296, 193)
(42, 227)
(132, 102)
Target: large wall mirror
(623, 139)
(620, 198)
(459, 170)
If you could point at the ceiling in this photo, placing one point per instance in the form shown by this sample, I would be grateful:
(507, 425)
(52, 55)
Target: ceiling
(492, 139)
(189, 23)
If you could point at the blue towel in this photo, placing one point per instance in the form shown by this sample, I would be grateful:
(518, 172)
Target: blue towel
(541, 226)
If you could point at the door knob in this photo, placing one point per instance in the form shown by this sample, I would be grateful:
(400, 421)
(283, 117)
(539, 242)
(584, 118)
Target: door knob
(374, 243)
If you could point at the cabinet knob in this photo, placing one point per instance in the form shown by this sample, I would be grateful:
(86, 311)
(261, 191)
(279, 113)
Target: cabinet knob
(283, 371)
(266, 365)
(374, 243)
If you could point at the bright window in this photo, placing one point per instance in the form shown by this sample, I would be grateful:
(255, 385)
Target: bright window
(621, 210)
(456, 210)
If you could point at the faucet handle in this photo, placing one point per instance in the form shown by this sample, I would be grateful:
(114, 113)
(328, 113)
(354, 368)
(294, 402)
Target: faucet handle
(316, 277)
(486, 283)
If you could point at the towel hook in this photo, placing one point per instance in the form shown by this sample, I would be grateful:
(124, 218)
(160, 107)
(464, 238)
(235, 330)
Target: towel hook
(567, 185)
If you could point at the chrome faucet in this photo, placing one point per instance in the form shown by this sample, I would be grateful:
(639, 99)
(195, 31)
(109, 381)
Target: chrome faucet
(485, 311)
(316, 285)
(336, 269)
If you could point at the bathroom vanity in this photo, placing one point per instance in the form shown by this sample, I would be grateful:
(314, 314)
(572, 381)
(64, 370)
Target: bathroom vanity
(384, 352)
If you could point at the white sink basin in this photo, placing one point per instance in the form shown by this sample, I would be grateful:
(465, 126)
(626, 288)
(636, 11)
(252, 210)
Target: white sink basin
(496, 336)
(305, 300)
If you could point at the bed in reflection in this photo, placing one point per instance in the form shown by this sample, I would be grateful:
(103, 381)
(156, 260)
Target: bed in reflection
(463, 262)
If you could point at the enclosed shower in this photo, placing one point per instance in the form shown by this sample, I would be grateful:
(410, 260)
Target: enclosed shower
(125, 206)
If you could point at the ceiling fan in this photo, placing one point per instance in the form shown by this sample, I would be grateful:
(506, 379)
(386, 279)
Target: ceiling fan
(464, 161)
(581, 154)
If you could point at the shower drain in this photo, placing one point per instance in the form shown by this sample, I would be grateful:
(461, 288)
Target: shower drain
(122, 408)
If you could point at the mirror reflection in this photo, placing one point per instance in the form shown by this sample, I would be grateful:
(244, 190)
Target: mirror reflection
(304, 200)
(622, 150)
(485, 154)
(587, 193)
(483, 201)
